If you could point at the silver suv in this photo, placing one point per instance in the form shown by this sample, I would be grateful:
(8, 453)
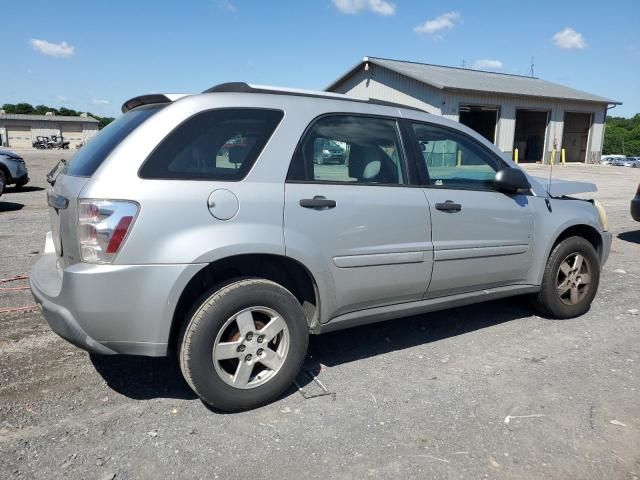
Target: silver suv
(203, 225)
(13, 170)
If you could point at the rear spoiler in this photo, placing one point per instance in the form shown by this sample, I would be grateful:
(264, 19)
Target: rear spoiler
(151, 99)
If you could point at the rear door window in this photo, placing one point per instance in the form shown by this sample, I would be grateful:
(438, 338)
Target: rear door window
(87, 160)
(218, 144)
(350, 149)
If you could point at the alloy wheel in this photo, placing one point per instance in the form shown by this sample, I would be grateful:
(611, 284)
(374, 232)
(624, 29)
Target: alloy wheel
(573, 279)
(251, 347)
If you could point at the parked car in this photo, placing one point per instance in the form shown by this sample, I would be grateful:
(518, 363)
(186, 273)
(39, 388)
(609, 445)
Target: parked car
(615, 160)
(236, 267)
(13, 170)
(327, 151)
(632, 162)
(635, 206)
(42, 143)
(59, 142)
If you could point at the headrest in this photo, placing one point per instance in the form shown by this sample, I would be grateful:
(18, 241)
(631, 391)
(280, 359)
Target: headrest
(365, 161)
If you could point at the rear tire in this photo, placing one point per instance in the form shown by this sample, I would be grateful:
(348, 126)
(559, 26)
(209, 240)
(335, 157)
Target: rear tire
(570, 279)
(244, 344)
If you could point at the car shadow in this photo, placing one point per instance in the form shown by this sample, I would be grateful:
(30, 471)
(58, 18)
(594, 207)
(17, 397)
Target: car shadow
(10, 206)
(633, 237)
(355, 344)
(25, 189)
(143, 378)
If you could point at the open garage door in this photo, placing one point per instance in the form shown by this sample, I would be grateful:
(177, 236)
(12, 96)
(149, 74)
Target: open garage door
(72, 133)
(19, 136)
(481, 119)
(575, 136)
(530, 134)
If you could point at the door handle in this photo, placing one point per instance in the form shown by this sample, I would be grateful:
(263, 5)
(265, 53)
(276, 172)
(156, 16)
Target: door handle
(448, 206)
(317, 202)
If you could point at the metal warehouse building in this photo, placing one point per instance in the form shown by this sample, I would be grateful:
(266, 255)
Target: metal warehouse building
(512, 111)
(20, 131)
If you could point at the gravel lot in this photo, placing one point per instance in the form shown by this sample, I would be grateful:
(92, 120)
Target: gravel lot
(483, 391)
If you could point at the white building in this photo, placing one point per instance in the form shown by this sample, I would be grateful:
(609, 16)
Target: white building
(512, 111)
(20, 131)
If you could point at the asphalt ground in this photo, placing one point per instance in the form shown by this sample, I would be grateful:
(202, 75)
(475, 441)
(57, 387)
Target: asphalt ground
(485, 391)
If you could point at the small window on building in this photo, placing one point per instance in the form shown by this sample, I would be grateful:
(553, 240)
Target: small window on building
(213, 145)
(350, 149)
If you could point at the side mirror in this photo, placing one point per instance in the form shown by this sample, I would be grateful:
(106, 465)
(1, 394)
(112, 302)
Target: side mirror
(511, 180)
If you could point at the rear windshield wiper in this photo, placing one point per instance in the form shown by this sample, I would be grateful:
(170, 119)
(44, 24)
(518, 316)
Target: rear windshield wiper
(55, 171)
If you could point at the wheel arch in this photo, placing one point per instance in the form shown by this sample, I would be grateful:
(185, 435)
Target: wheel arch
(583, 230)
(4, 169)
(286, 271)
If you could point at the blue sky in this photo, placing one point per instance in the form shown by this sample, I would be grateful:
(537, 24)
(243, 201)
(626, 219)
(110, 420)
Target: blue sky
(94, 55)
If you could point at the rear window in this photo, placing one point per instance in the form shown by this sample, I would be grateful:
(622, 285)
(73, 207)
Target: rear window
(90, 157)
(218, 144)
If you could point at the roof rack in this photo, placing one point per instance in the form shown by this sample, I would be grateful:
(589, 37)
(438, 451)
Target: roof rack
(242, 87)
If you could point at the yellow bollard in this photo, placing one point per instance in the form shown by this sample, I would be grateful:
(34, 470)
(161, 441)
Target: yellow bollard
(515, 155)
(553, 157)
(562, 156)
(459, 161)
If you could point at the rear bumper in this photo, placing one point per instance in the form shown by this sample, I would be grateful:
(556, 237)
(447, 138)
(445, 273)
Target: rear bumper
(635, 208)
(110, 309)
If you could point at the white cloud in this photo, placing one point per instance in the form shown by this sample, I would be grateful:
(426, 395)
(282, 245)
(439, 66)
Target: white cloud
(97, 101)
(227, 5)
(62, 98)
(487, 64)
(569, 39)
(353, 7)
(57, 50)
(446, 21)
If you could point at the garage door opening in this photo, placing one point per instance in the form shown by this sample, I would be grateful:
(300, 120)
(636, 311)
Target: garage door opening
(530, 134)
(575, 136)
(481, 119)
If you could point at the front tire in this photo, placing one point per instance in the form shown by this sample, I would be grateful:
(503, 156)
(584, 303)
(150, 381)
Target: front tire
(570, 279)
(244, 344)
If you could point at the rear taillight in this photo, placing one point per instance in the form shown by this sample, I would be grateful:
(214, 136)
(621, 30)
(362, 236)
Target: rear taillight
(103, 226)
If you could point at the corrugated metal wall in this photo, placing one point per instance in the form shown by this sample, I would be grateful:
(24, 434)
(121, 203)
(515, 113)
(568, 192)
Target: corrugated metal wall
(47, 129)
(384, 84)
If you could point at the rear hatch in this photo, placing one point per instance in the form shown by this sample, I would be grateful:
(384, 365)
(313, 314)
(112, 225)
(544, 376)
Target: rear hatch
(72, 178)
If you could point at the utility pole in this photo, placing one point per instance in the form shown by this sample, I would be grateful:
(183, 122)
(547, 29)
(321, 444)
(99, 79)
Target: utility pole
(463, 64)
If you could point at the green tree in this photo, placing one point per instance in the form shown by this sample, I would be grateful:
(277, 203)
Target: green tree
(23, 108)
(43, 109)
(67, 112)
(622, 136)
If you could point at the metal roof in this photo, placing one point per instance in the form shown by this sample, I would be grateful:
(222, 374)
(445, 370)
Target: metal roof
(453, 78)
(47, 118)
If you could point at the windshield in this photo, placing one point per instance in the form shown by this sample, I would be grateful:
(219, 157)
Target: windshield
(90, 157)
